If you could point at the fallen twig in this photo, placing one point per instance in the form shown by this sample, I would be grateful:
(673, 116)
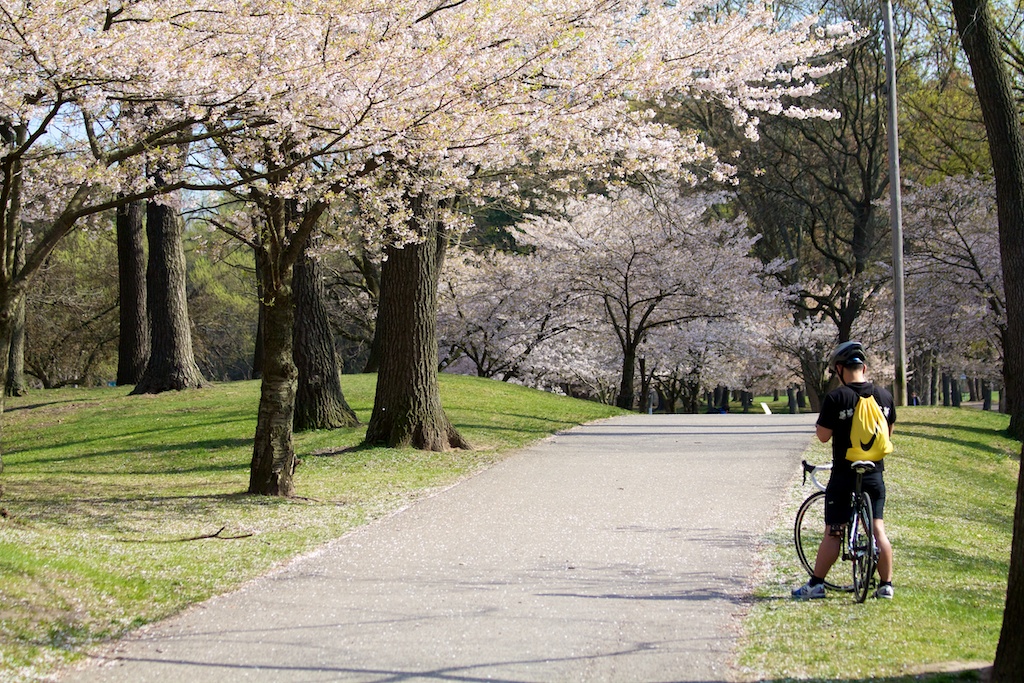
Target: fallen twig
(216, 534)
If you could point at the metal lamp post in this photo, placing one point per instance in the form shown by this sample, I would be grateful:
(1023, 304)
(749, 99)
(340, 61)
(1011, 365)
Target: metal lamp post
(896, 212)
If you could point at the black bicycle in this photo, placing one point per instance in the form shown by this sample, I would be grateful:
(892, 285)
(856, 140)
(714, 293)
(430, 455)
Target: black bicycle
(858, 548)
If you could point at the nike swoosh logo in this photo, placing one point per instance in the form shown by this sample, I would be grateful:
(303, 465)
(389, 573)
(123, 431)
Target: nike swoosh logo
(867, 446)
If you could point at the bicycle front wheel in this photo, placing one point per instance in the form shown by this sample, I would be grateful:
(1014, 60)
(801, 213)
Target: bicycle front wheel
(808, 531)
(862, 544)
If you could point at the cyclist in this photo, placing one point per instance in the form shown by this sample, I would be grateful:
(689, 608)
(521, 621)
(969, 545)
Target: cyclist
(834, 422)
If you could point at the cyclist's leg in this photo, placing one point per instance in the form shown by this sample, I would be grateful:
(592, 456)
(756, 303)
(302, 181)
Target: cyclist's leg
(828, 551)
(874, 485)
(837, 513)
(884, 552)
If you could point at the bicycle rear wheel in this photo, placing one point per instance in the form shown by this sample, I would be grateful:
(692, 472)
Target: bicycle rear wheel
(808, 532)
(862, 540)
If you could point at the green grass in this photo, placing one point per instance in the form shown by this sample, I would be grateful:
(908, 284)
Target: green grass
(101, 490)
(950, 494)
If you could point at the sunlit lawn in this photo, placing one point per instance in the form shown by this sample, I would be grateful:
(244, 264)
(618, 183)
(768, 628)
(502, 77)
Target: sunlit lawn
(951, 484)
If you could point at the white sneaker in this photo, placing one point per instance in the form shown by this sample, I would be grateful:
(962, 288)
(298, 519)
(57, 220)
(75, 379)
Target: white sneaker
(809, 592)
(884, 592)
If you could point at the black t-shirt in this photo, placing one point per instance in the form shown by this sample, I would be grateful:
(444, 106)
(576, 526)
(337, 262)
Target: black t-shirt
(837, 415)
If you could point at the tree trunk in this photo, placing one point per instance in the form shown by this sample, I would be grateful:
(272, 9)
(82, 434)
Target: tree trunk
(261, 323)
(273, 455)
(407, 408)
(816, 383)
(992, 82)
(171, 365)
(370, 270)
(691, 397)
(15, 384)
(8, 310)
(286, 229)
(133, 342)
(373, 361)
(14, 374)
(319, 401)
(933, 381)
(627, 392)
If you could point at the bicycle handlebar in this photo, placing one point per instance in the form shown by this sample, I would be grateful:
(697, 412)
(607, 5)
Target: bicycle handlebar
(808, 468)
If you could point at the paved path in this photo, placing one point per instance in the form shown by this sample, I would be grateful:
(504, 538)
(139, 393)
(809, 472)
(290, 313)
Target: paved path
(618, 551)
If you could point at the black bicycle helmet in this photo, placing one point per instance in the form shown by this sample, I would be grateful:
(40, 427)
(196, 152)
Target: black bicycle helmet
(847, 354)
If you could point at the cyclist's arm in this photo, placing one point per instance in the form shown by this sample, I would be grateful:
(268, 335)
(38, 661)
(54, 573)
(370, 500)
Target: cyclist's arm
(824, 433)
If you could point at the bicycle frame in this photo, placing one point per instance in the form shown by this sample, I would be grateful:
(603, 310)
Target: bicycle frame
(858, 535)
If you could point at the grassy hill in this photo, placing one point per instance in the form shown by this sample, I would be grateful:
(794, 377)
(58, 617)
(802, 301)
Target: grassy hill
(118, 511)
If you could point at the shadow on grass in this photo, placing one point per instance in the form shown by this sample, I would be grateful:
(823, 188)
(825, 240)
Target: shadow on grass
(157, 451)
(109, 514)
(951, 561)
(357, 449)
(47, 404)
(957, 435)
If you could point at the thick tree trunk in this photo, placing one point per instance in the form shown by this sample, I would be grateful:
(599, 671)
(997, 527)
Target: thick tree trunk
(319, 401)
(133, 342)
(407, 409)
(627, 392)
(273, 456)
(273, 464)
(1006, 144)
(172, 364)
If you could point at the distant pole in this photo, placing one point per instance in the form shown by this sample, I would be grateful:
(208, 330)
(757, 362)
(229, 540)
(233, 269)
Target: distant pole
(896, 212)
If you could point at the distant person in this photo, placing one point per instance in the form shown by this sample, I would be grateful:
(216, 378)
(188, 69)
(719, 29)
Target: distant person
(834, 422)
(914, 400)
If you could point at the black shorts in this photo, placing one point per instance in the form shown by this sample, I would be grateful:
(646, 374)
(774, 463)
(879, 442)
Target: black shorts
(837, 495)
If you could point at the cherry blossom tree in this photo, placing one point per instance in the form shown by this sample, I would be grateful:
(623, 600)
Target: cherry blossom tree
(444, 98)
(69, 72)
(649, 263)
(583, 362)
(497, 308)
(689, 358)
(805, 346)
